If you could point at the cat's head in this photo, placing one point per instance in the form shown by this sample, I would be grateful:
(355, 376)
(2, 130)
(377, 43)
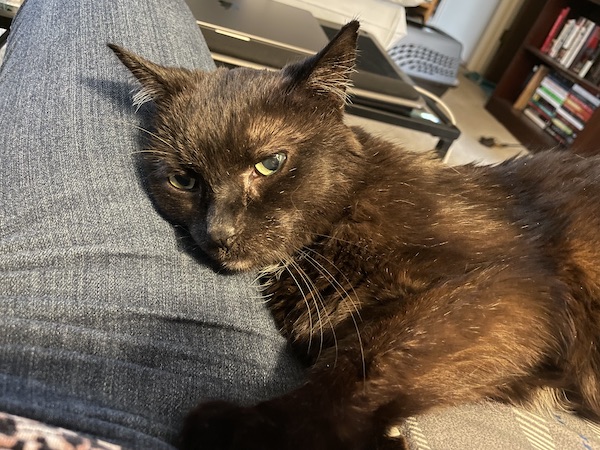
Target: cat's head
(254, 164)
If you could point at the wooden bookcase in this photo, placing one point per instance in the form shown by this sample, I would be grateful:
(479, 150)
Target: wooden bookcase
(519, 70)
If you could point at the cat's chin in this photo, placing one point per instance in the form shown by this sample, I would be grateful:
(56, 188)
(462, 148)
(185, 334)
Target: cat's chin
(229, 262)
(239, 266)
(248, 265)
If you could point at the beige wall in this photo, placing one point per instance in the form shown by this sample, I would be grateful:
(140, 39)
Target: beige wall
(490, 40)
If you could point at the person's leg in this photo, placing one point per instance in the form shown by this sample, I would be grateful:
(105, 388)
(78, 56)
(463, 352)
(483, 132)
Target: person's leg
(109, 328)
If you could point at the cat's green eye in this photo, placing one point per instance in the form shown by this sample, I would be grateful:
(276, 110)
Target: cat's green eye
(270, 165)
(182, 182)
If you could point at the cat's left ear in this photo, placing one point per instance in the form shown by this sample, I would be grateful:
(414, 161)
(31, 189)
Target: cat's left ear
(157, 81)
(328, 72)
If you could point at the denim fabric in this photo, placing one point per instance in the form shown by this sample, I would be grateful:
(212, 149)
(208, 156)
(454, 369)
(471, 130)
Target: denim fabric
(108, 326)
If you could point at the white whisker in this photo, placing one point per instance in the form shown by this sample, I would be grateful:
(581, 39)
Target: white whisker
(316, 295)
(157, 137)
(320, 269)
(310, 321)
(355, 306)
(348, 296)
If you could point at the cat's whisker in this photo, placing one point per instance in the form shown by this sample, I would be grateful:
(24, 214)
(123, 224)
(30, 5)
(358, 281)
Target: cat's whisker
(154, 153)
(339, 288)
(353, 318)
(320, 269)
(272, 271)
(314, 295)
(348, 296)
(322, 302)
(151, 151)
(157, 137)
(310, 321)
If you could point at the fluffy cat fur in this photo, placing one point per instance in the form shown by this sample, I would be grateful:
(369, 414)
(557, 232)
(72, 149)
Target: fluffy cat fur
(405, 284)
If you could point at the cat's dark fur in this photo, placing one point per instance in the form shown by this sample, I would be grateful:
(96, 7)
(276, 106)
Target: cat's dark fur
(406, 284)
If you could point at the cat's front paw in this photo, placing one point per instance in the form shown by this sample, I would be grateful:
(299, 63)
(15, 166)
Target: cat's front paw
(225, 426)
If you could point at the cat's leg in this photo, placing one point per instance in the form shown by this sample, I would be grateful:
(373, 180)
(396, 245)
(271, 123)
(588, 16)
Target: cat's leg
(483, 336)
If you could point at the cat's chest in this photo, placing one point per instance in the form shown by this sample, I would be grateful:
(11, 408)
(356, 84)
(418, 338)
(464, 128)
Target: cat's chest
(318, 299)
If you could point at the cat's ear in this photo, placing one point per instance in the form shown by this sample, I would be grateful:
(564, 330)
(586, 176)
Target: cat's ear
(157, 81)
(328, 72)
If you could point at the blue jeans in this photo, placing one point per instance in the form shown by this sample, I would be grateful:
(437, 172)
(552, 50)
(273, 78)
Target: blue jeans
(108, 326)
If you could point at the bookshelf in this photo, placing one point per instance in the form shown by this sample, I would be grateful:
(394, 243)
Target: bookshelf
(520, 71)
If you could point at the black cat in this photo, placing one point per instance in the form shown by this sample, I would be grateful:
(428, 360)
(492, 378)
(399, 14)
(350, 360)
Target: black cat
(406, 284)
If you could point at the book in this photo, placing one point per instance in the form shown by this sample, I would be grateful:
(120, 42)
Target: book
(580, 40)
(587, 65)
(534, 117)
(569, 118)
(588, 54)
(593, 73)
(577, 108)
(549, 96)
(559, 41)
(576, 46)
(561, 80)
(555, 134)
(570, 38)
(585, 96)
(556, 27)
(565, 129)
(543, 108)
(558, 105)
(555, 87)
(561, 131)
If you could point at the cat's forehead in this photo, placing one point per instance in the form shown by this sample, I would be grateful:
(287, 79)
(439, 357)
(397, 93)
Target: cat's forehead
(235, 84)
(244, 109)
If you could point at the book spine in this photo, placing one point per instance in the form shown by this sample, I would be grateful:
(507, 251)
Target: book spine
(542, 109)
(578, 43)
(534, 117)
(555, 134)
(568, 117)
(585, 68)
(549, 96)
(563, 127)
(578, 108)
(558, 43)
(568, 42)
(587, 53)
(586, 96)
(558, 23)
(555, 88)
(593, 74)
(561, 130)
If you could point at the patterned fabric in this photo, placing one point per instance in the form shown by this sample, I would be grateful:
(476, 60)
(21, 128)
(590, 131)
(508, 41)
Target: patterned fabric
(473, 427)
(499, 426)
(17, 433)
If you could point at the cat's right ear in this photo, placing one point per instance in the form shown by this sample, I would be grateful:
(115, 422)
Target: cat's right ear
(157, 81)
(328, 72)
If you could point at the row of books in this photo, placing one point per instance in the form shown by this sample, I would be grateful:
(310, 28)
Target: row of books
(560, 107)
(575, 44)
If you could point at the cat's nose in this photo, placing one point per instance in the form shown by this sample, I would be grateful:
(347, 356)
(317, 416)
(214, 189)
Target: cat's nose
(222, 235)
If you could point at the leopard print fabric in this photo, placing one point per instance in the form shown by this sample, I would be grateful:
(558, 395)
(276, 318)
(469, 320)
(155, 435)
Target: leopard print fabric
(19, 433)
